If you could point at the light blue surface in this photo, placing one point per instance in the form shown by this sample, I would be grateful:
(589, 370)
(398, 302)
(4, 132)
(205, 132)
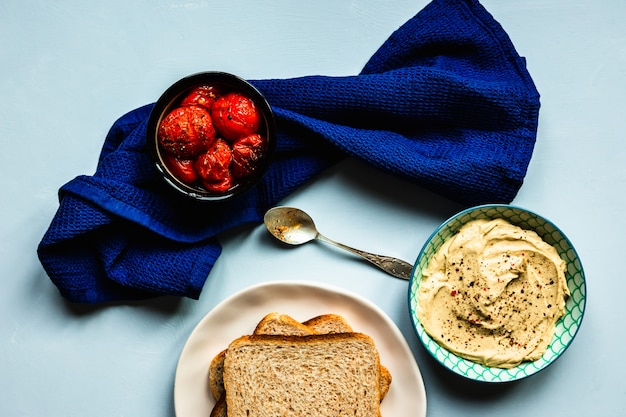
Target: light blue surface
(70, 68)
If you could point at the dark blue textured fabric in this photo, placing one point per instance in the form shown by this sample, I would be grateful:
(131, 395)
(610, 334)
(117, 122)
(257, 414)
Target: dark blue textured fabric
(446, 102)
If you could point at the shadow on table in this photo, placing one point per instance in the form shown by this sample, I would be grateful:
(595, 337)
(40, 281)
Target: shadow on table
(161, 305)
(452, 387)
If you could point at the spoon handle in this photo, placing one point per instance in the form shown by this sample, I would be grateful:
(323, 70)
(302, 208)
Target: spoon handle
(393, 266)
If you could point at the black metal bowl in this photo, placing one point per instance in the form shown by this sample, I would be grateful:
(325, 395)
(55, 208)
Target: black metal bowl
(171, 99)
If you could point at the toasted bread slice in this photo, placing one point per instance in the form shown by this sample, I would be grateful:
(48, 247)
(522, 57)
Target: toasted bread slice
(283, 324)
(219, 409)
(272, 323)
(275, 323)
(385, 381)
(323, 375)
(334, 323)
(216, 375)
(328, 323)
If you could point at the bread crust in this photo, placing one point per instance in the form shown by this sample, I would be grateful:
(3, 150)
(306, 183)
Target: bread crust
(328, 323)
(275, 323)
(220, 410)
(301, 339)
(216, 375)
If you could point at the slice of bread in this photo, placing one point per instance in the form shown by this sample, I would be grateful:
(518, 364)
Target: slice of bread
(385, 381)
(328, 323)
(272, 323)
(219, 409)
(275, 323)
(216, 375)
(334, 323)
(316, 375)
(283, 324)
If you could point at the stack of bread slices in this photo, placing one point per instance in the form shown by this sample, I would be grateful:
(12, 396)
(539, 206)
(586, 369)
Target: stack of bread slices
(320, 367)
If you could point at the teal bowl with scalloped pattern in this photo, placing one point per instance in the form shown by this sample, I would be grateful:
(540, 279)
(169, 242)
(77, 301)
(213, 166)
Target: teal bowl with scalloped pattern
(566, 327)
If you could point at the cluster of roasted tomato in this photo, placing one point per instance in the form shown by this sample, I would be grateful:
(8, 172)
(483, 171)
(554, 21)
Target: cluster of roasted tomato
(213, 138)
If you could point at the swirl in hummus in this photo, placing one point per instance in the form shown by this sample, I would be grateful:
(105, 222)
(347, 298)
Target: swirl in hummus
(493, 294)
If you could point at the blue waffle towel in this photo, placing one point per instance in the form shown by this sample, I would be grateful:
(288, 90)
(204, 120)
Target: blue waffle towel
(446, 102)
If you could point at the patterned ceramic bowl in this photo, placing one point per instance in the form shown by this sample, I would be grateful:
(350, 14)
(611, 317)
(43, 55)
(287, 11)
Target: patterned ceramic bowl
(566, 327)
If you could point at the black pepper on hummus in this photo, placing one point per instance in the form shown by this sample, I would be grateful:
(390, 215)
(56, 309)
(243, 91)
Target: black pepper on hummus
(493, 293)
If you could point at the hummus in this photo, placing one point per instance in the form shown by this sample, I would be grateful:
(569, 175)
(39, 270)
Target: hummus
(493, 293)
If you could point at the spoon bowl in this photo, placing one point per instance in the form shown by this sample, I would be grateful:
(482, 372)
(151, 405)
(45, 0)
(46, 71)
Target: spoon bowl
(295, 227)
(290, 225)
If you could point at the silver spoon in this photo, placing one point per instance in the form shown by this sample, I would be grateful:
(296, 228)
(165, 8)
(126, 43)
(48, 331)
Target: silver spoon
(294, 227)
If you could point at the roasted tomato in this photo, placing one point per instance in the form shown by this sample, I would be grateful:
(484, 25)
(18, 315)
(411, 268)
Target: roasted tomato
(246, 154)
(204, 96)
(213, 166)
(186, 131)
(225, 184)
(183, 169)
(235, 116)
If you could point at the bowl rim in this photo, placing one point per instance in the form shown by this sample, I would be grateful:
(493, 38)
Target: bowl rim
(168, 100)
(461, 366)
